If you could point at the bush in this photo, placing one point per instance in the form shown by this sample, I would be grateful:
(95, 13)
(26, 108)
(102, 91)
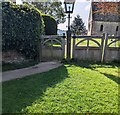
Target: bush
(50, 25)
(22, 26)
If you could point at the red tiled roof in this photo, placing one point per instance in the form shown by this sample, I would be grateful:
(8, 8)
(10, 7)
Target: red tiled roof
(106, 11)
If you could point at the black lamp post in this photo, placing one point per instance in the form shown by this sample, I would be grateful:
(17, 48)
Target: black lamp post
(69, 6)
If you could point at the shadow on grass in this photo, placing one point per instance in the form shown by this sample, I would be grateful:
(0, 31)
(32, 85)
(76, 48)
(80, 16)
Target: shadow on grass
(20, 93)
(93, 65)
(112, 77)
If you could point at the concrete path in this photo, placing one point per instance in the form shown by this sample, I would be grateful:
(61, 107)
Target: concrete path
(39, 68)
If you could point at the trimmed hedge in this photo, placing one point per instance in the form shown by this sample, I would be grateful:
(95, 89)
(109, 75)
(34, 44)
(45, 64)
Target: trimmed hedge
(22, 26)
(50, 25)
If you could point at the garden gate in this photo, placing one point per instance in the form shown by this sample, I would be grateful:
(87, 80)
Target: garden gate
(53, 47)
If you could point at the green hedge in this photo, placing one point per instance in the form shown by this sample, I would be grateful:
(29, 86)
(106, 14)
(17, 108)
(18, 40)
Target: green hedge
(50, 25)
(22, 26)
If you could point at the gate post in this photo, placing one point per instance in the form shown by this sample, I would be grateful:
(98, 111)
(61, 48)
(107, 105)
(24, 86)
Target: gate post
(104, 45)
(73, 49)
(63, 45)
(51, 48)
(105, 49)
(87, 51)
(68, 45)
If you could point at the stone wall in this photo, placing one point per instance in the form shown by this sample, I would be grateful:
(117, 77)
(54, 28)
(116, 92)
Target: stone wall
(12, 56)
(108, 27)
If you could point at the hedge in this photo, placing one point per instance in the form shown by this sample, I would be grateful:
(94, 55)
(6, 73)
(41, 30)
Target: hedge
(50, 25)
(22, 26)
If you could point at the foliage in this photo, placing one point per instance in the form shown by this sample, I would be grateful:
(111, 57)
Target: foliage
(78, 27)
(13, 66)
(22, 26)
(50, 25)
(72, 88)
(52, 8)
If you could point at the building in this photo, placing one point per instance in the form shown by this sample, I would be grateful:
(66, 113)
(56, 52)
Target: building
(103, 20)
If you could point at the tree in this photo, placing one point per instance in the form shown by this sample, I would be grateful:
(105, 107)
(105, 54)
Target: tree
(78, 27)
(52, 8)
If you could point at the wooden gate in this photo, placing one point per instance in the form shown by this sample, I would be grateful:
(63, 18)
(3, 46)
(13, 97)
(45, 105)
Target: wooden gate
(53, 47)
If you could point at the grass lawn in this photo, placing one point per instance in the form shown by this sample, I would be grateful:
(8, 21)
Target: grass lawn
(93, 44)
(72, 88)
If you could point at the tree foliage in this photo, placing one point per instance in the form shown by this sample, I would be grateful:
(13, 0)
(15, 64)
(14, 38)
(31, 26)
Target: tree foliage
(50, 25)
(22, 26)
(77, 26)
(52, 8)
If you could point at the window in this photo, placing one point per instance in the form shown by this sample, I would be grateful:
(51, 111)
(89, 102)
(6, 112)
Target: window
(116, 28)
(101, 28)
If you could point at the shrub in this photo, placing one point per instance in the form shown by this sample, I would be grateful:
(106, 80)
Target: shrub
(50, 25)
(22, 26)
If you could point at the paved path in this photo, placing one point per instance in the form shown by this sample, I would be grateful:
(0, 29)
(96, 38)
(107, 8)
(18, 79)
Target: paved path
(19, 73)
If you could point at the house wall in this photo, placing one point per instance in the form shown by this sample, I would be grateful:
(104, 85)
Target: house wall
(89, 28)
(108, 27)
(90, 22)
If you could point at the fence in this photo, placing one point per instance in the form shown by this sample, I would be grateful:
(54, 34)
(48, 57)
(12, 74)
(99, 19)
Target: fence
(97, 48)
(102, 51)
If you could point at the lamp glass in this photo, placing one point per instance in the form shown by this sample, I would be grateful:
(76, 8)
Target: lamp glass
(69, 7)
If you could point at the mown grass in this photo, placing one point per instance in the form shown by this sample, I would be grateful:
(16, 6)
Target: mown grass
(93, 44)
(83, 87)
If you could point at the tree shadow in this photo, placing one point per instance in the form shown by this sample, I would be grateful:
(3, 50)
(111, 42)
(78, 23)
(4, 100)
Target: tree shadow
(112, 77)
(93, 65)
(20, 93)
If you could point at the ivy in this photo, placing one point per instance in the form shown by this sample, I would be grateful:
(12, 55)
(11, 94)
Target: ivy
(22, 26)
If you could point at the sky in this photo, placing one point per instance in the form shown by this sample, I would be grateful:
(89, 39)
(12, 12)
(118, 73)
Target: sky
(81, 8)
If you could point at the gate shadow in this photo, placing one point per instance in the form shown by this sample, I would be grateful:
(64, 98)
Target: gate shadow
(93, 65)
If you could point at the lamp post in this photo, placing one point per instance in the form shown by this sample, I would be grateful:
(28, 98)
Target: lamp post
(69, 6)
